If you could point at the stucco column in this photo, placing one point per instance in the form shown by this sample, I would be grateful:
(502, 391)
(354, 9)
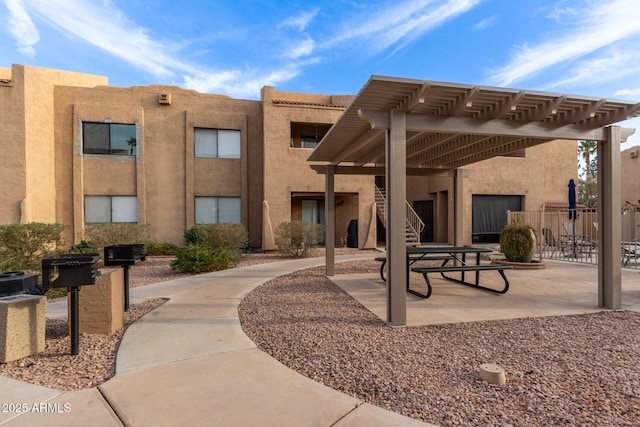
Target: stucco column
(330, 220)
(458, 207)
(396, 183)
(609, 221)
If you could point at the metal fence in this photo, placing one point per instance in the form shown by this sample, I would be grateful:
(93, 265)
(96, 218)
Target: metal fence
(561, 238)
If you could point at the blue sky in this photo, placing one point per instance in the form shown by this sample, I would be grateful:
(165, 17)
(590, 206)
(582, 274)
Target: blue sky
(583, 47)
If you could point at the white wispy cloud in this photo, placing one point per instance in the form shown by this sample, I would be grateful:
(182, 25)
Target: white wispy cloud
(595, 26)
(486, 23)
(100, 25)
(399, 24)
(629, 93)
(237, 83)
(300, 48)
(22, 28)
(301, 20)
(293, 43)
(613, 64)
(106, 28)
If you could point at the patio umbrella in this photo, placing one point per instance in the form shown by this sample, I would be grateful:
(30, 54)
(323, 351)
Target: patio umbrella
(573, 213)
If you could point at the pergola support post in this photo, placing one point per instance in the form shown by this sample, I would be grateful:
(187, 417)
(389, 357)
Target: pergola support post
(609, 221)
(458, 207)
(330, 220)
(396, 187)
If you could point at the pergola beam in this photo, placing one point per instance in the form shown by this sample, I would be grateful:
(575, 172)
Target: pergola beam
(470, 125)
(379, 170)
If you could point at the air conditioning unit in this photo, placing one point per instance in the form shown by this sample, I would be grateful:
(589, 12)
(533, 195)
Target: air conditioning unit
(634, 154)
(164, 98)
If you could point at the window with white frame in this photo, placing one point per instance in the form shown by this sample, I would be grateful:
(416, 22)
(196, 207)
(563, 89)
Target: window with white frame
(211, 210)
(105, 209)
(217, 143)
(109, 138)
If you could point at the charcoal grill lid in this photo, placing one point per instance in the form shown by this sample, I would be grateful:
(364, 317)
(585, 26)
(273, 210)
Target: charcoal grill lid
(11, 274)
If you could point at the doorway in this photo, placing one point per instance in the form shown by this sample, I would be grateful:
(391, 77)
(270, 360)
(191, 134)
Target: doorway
(424, 209)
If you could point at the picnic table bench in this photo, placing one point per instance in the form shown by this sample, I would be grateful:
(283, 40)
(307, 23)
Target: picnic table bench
(450, 254)
(412, 259)
(462, 269)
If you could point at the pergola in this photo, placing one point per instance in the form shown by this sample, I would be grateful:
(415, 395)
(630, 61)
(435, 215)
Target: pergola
(397, 127)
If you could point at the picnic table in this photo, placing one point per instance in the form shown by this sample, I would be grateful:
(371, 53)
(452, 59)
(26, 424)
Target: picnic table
(457, 255)
(629, 250)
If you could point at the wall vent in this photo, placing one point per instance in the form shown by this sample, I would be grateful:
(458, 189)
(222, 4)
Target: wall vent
(164, 98)
(634, 154)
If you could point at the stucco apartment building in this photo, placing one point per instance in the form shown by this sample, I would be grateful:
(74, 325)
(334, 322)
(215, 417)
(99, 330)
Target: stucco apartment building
(630, 176)
(79, 152)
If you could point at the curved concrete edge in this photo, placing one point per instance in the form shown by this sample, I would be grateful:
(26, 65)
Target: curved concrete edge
(201, 316)
(237, 388)
(369, 415)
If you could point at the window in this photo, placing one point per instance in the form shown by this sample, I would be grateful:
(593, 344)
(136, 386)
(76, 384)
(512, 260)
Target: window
(210, 210)
(217, 143)
(309, 141)
(307, 135)
(105, 209)
(109, 138)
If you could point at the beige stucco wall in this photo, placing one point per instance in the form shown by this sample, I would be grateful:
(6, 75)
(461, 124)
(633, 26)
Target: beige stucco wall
(28, 163)
(13, 187)
(541, 175)
(287, 171)
(165, 176)
(630, 176)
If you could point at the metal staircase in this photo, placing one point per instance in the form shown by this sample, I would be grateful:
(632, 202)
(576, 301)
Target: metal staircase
(414, 224)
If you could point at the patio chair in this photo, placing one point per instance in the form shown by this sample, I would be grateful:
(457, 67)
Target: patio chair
(580, 242)
(550, 242)
(628, 250)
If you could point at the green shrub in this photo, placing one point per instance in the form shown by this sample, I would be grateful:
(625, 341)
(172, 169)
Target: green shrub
(297, 238)
(224, 258)
(202, 259)
(22, 246)
(518, 241)
(192, 235)
(84, 247)
(155, 249)
(223, 234)
(116, 233)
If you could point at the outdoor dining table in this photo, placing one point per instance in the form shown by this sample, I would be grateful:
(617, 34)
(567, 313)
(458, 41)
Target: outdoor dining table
(464, 259)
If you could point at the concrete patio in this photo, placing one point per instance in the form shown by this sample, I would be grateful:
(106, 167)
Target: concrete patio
(561, 288)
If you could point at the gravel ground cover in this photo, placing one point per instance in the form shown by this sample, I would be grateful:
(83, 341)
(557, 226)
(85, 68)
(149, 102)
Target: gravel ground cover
(57, 368)
(569, 370)
(581, 370)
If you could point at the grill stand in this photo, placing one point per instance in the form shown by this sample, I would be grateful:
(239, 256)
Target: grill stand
(74, 320)
(126, 287)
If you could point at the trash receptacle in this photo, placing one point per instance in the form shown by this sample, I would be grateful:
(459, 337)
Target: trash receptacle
(352, 234)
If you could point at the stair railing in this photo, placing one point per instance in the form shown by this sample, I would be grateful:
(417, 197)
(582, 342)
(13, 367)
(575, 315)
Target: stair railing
(414, 223)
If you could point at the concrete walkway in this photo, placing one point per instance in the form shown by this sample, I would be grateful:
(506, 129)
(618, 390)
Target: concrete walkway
(189, 363)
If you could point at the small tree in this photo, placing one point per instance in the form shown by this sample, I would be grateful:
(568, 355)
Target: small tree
(228, 235)
(297, 238)
(22, 246)
(588, 182)
(116, 233)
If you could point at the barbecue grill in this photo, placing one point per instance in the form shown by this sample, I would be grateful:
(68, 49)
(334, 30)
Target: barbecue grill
(124, 256)
(16, 282)
(70, 271)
